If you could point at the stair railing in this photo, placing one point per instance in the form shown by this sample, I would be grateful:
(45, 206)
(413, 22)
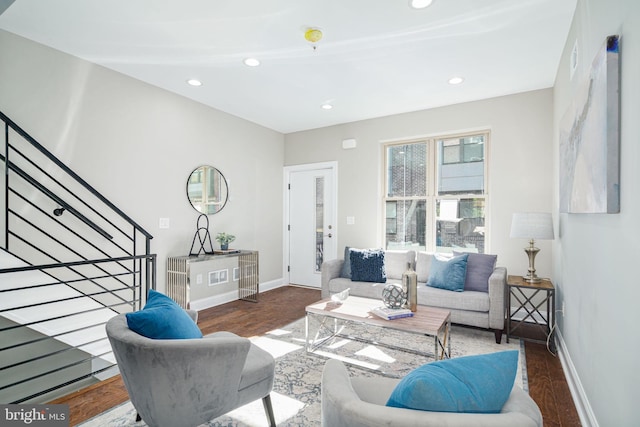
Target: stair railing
(73, 260)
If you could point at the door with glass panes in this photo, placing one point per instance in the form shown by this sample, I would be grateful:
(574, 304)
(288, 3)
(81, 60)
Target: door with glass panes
(312, 233)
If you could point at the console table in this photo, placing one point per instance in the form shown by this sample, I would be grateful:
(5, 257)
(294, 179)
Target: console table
(523, 304)
(191, 278)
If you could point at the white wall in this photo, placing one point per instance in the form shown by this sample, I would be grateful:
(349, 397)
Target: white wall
(596, 254)
(137, 145)
(520, 168)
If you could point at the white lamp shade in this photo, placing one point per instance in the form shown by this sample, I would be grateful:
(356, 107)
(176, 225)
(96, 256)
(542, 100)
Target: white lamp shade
(532, 225)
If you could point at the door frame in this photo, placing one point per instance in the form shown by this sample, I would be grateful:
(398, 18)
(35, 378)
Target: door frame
(333, 167)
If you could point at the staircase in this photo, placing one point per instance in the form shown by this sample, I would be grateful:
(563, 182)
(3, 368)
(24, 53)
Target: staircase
(69, 261)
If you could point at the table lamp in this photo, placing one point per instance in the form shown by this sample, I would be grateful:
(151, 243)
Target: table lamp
(532, 225)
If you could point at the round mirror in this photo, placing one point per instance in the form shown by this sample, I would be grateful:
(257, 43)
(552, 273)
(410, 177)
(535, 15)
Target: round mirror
(207, 190)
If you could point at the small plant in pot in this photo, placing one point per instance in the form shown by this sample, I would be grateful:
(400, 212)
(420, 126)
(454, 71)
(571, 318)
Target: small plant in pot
(224, 239)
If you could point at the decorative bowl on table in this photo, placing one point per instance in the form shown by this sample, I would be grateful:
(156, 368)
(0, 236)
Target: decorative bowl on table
(340, 296)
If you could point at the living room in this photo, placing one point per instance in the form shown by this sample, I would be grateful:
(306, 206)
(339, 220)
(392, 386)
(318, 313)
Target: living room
(122, 134)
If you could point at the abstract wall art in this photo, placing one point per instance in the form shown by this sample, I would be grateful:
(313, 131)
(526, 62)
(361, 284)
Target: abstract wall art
(590, 139)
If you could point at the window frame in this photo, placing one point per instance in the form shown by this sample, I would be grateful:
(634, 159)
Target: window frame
(434, 162)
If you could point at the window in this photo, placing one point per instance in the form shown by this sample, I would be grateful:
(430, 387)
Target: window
(435, 194)
(462, 150)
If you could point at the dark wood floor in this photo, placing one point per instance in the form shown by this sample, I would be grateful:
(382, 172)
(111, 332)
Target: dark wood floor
(548, 387)
(278, 307)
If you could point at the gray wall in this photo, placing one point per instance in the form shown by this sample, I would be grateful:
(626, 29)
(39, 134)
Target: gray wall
(137, 145)
(595, 255)
(519, 161)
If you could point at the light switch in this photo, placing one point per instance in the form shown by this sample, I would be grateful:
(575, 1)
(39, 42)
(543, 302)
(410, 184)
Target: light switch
(163, 223)
(199, 279)
(351, 220)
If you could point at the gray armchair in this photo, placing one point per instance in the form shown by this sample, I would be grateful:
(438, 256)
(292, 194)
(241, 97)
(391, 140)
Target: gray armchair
(360, 402)
(189, 382)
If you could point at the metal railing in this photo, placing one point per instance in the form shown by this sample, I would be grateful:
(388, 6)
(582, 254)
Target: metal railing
(69, 260)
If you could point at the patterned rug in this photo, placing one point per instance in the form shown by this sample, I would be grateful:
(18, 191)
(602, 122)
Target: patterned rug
(296, 391)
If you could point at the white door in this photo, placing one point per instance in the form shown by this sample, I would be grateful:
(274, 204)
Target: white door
(311, 228)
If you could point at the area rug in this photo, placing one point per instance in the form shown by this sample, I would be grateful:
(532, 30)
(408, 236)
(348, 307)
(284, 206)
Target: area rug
(296, 391)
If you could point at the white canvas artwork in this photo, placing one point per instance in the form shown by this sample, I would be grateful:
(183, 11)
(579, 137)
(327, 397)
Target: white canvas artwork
(590, 140)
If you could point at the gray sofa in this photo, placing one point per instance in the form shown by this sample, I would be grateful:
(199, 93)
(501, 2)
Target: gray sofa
(471, 308)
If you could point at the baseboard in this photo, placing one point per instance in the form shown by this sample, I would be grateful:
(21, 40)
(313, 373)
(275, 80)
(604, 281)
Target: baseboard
(585, 412)
(215, 300)
(273, 284)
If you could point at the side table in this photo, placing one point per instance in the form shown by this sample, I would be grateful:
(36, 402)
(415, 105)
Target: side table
(523, 308)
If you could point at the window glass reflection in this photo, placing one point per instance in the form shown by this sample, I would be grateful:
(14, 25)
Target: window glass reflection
(207, 190)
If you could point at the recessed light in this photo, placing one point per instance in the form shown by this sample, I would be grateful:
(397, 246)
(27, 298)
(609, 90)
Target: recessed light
(194, 82)
(251, 62)
(455, 80)
(327, 106)
(420, 4)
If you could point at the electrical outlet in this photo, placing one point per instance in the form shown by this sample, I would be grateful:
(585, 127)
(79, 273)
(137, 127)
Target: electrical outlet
(562, 308)
(199, 279)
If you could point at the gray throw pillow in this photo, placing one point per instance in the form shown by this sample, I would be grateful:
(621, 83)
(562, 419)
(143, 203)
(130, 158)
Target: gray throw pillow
(479, 268)
(345, 271)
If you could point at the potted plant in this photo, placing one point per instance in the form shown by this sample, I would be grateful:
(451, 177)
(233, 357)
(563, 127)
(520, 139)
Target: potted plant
(224, 239)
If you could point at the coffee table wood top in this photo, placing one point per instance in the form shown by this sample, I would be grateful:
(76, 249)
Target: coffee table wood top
(426, 320)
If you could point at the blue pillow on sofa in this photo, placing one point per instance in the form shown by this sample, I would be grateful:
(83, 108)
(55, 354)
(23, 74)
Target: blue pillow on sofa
(448, 273)
(470, 384)
(367, 265)
(162, 318)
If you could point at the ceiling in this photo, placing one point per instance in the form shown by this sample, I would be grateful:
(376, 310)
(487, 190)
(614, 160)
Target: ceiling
(376, 57)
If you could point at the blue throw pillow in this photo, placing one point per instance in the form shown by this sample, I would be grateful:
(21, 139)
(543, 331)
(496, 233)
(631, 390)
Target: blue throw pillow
(367, 265)
(345, 271)
(162, 318)
(448, 273)
(472, 384)
(479, 268)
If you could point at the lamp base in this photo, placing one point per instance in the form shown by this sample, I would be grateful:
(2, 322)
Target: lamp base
(532, 251)
(531, 279)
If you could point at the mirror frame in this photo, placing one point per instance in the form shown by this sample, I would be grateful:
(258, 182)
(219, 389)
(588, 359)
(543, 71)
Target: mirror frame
(205, 170)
